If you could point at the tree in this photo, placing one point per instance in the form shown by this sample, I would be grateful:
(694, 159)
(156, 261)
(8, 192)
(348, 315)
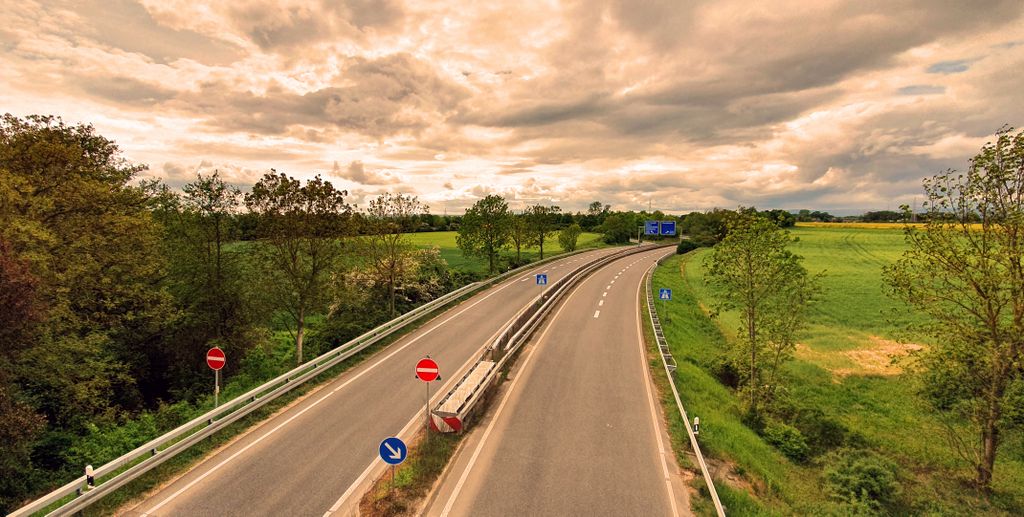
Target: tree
(968, 279)
(568, 237)
(618, 228)
(706, 228)
(542, 221)
(485, 229)
(391, 255)
(71, 212)
(207, 277)
(519, 234)
(301, 226)
(762, 279)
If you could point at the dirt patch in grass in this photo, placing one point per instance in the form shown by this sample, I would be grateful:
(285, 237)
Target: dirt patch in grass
(879, 357)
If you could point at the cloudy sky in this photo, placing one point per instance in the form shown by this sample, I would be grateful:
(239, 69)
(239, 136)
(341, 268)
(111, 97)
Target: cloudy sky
(822, 104)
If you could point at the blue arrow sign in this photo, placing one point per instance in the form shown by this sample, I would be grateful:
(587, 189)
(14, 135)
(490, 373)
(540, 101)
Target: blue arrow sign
(542, 279)
(664, 294)
(651, 227)
(668, 227)
(393, 451)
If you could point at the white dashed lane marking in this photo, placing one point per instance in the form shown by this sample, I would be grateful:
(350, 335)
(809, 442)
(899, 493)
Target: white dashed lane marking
(600, 303)
(597, 314)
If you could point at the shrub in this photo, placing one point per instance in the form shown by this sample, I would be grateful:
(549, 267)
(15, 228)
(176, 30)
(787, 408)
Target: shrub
(725, 371)
(861, 478)
(686, 245)
(787, 439)
(821, 432)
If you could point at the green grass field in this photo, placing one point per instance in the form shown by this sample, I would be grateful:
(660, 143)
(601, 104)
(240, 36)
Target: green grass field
(842, 367)
(445, 241)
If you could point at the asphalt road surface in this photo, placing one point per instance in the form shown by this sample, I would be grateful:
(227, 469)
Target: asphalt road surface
(318, 456)
(577, 430)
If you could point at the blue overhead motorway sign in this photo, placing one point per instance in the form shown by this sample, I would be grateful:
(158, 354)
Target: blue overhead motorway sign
(668, 227)
(651, 227)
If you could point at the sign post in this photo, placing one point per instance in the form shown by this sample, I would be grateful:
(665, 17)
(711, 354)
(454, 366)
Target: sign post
(215, 360)
(665, 295)
(393, 451)
(426, 371)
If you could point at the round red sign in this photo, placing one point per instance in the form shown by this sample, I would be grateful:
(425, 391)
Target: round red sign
(215, 358)
(427, 369)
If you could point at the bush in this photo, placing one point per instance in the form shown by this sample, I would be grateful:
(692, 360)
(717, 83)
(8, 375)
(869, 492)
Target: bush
(686, 245)
(861, 478)
(821, 432)
(787, 439)
(725, 371)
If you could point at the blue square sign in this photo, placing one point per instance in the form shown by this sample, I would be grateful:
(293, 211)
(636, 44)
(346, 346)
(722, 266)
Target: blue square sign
(664, 294)
(542, 279)
(668, 227)
(651, 227)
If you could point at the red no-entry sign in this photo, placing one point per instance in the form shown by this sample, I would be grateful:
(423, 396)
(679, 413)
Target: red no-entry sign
(215, 358)
(427, 369)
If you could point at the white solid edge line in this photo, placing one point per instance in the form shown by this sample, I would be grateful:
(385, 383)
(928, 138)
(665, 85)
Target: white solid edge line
(321, 399)
(650, 401)
(515, 381)
(497, 413)
(373, 463)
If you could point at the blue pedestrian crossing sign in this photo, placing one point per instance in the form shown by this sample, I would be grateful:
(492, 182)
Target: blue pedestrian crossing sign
(542, 279)
(664, 294)
(668, 227)
(650, 227)
(393, 451)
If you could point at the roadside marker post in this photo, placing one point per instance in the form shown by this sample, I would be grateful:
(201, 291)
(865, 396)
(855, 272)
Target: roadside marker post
(426, 371)
(215, 360)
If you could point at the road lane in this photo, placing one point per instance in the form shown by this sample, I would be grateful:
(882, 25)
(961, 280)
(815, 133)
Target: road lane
(577, 431)
(300, 461)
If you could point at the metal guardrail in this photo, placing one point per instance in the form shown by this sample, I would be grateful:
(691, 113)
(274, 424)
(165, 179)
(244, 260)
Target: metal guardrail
(670, 366)
(517, 332)
(166, 446)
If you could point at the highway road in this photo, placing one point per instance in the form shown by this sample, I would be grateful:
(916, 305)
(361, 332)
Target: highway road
(577, 430)
(318, 456)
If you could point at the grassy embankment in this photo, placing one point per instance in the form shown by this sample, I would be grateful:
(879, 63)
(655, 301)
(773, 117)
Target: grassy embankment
(843, 367)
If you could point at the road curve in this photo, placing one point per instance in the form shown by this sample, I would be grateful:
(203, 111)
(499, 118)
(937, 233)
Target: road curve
(305, 458)
(577, 430)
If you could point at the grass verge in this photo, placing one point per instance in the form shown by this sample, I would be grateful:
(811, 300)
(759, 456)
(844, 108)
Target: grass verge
(401, 488)
(832, 374)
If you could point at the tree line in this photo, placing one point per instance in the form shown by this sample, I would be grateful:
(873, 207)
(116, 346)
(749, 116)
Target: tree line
(111, 291)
